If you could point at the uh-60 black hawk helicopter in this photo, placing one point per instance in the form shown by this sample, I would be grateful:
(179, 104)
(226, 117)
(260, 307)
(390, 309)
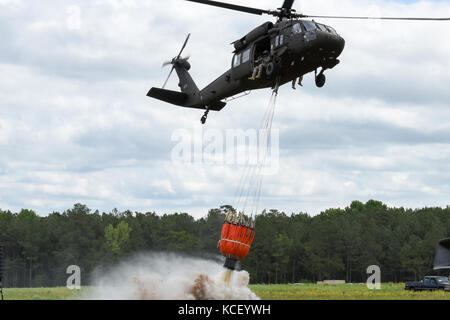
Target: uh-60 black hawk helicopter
(267, 57)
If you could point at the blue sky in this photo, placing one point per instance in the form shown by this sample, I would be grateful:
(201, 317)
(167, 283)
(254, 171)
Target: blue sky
(76, 126)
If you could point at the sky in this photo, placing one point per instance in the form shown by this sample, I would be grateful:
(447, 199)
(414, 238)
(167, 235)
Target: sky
(76, 125)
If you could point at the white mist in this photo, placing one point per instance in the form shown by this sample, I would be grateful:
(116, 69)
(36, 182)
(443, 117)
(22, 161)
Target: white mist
(167, 276)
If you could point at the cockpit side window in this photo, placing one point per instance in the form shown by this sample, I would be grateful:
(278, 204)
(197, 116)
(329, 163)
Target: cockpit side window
(246, 56)
(236, 60)
(296, 28)
(309, 25)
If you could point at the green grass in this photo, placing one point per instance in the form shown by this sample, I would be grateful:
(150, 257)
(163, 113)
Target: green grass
(389, 291)
(61, 293)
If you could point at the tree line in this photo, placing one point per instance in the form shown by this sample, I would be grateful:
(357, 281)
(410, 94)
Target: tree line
(336, 244)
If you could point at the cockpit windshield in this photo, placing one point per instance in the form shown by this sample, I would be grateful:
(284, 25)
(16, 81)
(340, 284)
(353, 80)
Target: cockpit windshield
(332, 30)
(309, 25)
(322, 27)
(296, 28)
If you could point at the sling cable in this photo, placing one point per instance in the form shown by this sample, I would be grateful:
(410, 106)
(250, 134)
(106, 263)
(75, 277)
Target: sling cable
(238, 231)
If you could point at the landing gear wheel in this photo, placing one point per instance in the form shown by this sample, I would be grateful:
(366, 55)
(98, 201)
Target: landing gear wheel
(270, 69)
(320, 80)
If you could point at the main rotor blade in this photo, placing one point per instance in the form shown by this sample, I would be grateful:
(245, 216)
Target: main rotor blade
(372, 18)
(167, 80)
(288, 4)
(184, 46)
(232, 6)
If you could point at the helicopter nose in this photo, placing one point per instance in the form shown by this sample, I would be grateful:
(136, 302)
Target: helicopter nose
(330, 45)
(335, 45)
(339, 45)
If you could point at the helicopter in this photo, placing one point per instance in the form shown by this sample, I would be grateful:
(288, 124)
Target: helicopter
(269, 56)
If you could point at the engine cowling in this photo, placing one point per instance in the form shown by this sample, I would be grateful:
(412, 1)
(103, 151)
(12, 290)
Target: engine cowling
(253, 35)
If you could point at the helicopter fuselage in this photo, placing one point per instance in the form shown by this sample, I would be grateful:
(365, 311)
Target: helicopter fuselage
(284, 52)
(295, 47)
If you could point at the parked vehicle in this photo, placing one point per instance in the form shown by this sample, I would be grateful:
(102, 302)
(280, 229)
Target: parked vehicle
(429, 283)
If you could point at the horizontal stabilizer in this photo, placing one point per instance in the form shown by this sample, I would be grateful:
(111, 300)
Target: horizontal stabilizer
(180, 99)
(173, 97)
(217, 105)
(442, 258)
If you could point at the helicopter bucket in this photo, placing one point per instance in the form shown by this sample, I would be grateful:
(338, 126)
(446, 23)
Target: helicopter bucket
(236, 238)
(442, 258)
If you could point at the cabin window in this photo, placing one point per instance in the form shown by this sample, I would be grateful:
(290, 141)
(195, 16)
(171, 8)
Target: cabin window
(246, 56)
(277, 39)
(309, 25)
(237, 60)
(296, 28)
(281, 39)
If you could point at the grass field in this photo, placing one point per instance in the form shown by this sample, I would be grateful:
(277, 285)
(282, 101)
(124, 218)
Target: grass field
(389, 291)
(43, 294)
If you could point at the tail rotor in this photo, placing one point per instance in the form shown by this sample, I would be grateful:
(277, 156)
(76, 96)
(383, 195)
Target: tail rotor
(176, 59)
